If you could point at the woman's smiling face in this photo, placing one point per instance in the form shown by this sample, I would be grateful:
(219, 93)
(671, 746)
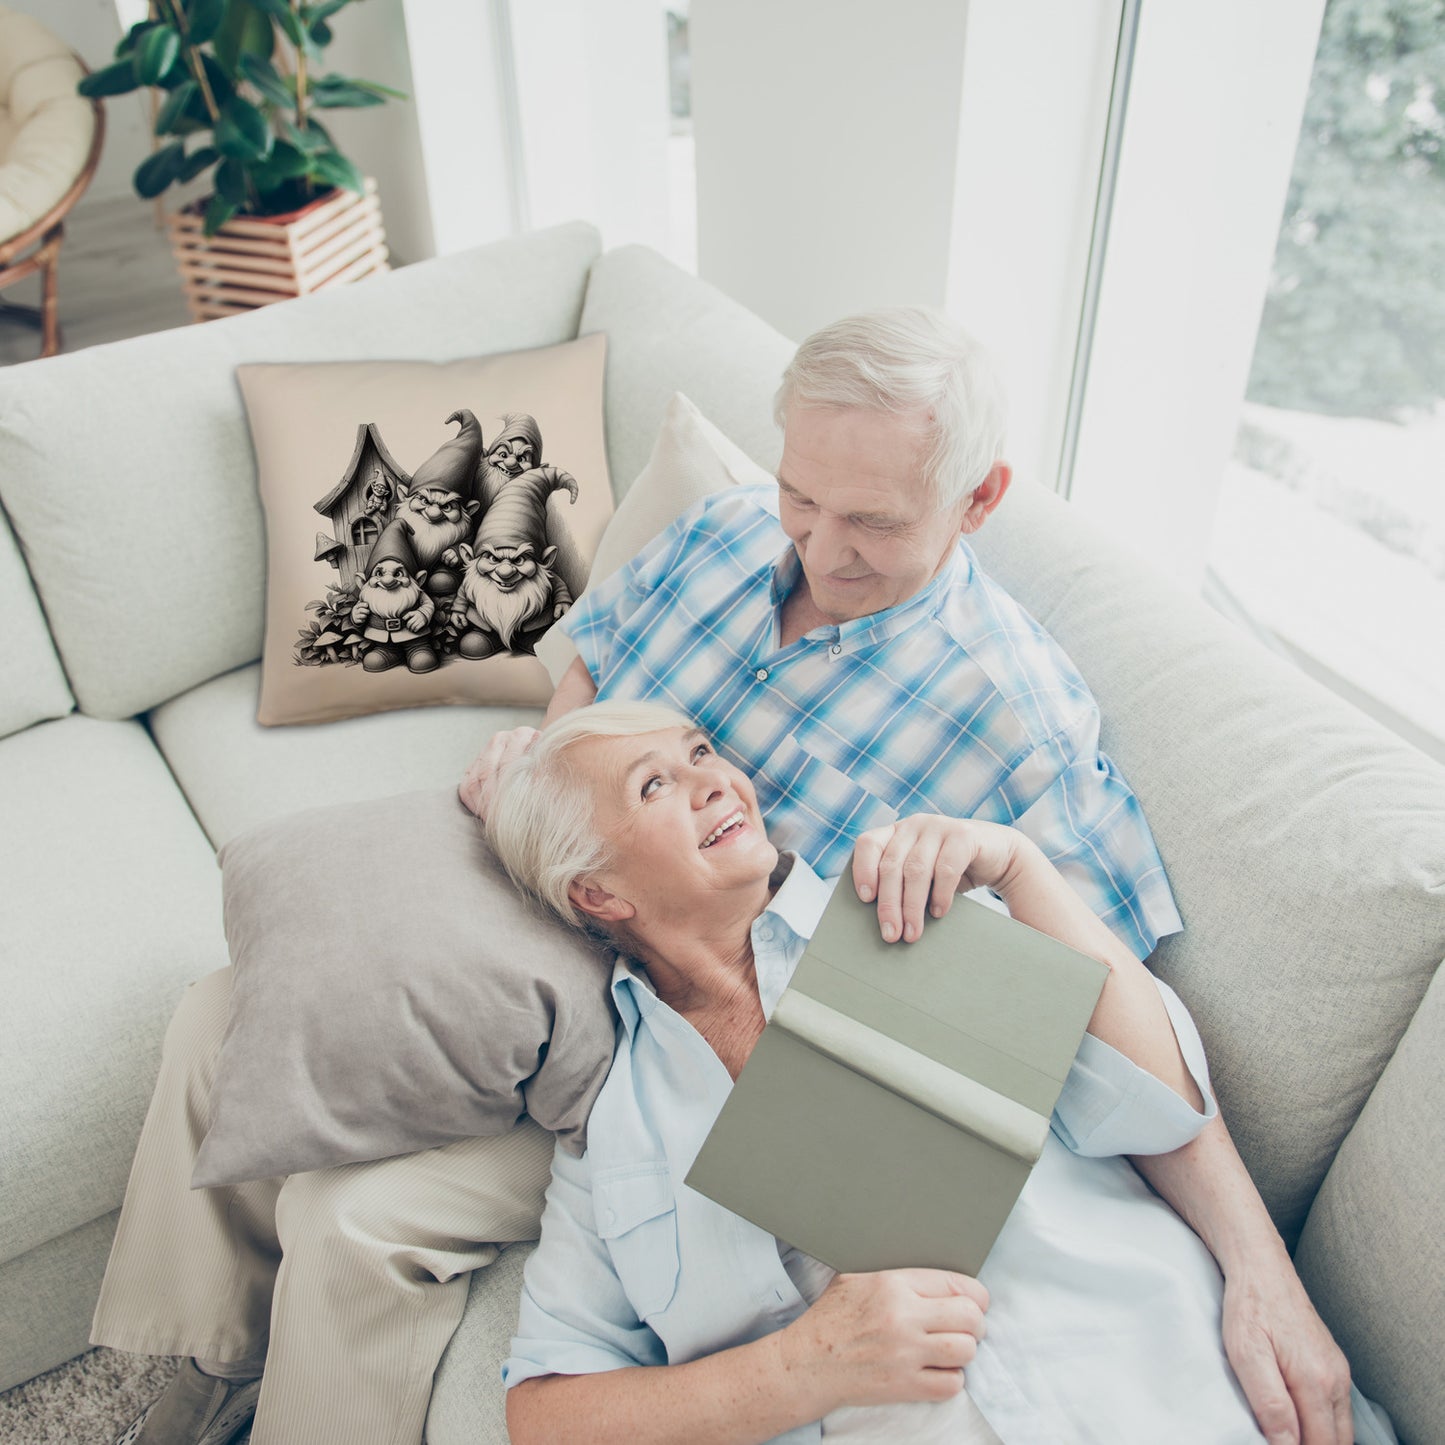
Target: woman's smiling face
(681, 824)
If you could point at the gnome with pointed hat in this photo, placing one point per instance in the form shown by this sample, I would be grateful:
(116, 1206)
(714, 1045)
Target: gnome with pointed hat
(438, 508)
(510, 592)
(393, 610)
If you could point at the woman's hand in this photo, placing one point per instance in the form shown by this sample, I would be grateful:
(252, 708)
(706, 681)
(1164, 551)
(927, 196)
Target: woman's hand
(897, 1335)
(917, 865)
(475, 788)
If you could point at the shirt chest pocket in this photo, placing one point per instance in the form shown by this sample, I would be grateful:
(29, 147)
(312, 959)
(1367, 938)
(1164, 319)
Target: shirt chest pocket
(816, 809)
(637, 1218)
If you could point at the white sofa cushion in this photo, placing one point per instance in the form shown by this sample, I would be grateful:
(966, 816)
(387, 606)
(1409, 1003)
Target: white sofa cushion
(669, 332)
(1301, 840)
(32, 683)
(129, 475)
(236, 773)
(111, 905)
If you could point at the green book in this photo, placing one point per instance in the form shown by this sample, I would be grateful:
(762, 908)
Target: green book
(900, 1094)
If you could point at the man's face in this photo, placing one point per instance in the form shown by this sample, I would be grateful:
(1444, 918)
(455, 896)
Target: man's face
(852, 499)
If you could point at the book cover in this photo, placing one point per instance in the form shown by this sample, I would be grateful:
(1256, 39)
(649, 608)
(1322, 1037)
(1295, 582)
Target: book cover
(900, 1094)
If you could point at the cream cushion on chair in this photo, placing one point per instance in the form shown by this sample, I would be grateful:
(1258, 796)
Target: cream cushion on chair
(45, 126)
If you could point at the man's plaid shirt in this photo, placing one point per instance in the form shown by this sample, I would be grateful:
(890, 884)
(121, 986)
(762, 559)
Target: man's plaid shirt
(953, 702)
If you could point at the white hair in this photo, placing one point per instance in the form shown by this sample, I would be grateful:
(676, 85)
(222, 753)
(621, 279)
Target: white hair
(908, 360)
(542, 821)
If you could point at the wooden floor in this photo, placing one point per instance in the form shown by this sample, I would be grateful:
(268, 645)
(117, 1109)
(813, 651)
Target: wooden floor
(117, 279)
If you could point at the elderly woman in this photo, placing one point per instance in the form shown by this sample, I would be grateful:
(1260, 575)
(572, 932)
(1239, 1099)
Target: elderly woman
(653, 1314)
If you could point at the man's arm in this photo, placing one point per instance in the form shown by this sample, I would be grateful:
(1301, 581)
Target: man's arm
(1295, 1377)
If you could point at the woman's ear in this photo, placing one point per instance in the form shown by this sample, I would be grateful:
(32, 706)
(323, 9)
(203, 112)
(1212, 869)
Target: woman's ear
(596, 902)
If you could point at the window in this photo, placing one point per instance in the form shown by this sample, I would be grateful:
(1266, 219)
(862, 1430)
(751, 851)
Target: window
(1329, 534)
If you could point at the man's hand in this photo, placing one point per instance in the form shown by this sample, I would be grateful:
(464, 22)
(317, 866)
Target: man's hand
(477, 784)
(916, 865)
(1295, 1377)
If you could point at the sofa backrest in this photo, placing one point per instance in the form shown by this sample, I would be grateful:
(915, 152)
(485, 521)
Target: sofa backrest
(1302, 840)
(32, 682)
(128, 474)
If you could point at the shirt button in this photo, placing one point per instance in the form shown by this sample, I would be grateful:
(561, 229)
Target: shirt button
(761, 674)
(836, 648)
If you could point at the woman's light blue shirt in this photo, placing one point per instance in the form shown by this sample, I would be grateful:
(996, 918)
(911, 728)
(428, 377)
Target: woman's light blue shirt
(634, 1268)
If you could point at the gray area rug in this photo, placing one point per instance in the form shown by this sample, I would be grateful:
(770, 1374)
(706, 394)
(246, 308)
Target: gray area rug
(88, 1401)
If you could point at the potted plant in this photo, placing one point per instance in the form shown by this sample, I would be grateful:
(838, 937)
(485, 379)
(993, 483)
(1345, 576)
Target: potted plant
(240, 84)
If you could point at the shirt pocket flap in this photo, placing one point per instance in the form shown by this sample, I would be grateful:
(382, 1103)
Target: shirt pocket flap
(631, 1196)
(636, 1212)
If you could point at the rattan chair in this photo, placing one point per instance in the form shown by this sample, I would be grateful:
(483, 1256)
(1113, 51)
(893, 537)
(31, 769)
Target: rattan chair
(50, 139)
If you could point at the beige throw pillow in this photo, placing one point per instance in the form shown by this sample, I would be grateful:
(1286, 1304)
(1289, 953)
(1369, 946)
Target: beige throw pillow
(426, 524)
(691, 459)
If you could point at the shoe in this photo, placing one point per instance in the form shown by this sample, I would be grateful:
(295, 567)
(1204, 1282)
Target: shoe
(194, 1409)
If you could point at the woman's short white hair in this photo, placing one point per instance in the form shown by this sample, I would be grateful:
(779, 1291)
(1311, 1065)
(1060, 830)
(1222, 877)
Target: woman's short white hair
(908, 360)
(542, 821)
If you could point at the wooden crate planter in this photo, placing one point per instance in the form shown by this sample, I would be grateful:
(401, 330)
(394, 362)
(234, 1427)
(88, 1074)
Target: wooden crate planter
(255, 260)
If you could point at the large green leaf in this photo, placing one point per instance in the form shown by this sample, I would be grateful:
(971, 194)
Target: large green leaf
(131, 38)
(286, 163)
(231, 181)
(203, 19)
(313, 140)
(277, 88)
(173, 112)
(218, 212)
(157, 171)
(378, 89)
(285, 17)
(333, 92)
(158, 50)
(197, 161)
(117, 79)
(333, 168)
(244, 31)
(242, 132)
(222, 86)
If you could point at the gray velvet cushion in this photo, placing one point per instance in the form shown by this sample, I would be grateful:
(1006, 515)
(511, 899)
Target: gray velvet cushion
(393, 993)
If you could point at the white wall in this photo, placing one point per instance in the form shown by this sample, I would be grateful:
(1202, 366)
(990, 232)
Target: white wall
(1036, 83)
(827, 143)
(593, 115)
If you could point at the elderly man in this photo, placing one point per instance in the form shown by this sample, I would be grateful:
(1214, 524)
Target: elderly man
(838, 640)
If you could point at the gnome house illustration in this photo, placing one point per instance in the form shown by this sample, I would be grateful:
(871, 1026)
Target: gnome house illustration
(420, 579)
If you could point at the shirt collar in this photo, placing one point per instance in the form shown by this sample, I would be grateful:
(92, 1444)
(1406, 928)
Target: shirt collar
(878, 627)
(780, 932)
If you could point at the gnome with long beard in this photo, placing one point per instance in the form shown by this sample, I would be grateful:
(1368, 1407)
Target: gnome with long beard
(438, 508)
(393, 611)
(510, 593)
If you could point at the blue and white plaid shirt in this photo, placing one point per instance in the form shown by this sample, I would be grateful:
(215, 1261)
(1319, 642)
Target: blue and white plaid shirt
(955, 702)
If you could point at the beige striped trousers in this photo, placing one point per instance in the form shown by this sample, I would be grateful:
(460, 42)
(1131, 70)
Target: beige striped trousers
(350, 1281)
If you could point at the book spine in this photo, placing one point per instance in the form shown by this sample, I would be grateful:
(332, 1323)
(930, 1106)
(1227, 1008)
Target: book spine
(953, 1097)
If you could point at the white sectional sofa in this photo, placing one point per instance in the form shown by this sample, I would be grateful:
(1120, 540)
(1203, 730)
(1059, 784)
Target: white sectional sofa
(1305, 845)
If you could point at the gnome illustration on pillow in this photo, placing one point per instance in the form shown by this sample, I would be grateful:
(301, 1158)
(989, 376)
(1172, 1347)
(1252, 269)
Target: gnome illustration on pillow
(394, 611)
(438, 508)
(510, 592)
